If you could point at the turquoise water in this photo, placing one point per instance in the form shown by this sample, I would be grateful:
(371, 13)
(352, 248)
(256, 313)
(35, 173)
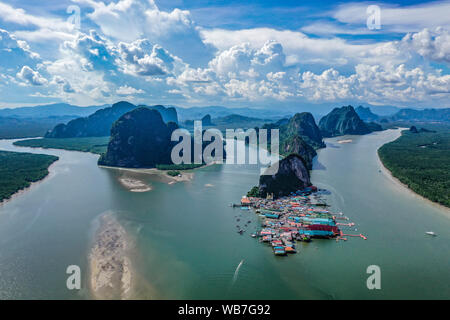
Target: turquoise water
(187, 247)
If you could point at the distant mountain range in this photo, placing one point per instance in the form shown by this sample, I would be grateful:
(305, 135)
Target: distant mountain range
(441, 115)
(99, 123)
(50, 110)
(317, 110)
(408, 115)
(197, 113)
(36, 121)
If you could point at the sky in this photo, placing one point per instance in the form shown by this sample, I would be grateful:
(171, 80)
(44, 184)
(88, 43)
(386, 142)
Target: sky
(232, 53)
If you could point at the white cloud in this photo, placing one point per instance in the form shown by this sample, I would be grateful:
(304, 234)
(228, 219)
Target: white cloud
(298, 47)
(331, 28)
(432, 45)
(12, 48)
(145, 59)
(173, 30)
(81, 83)
(376, 84)
(395, 18)
(63, 83)
(31, 77)
(46, 28)
(156, 49)
(127, 90)
(242, 73)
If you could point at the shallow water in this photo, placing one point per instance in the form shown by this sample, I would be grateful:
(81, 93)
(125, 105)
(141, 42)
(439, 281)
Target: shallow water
(185, 234)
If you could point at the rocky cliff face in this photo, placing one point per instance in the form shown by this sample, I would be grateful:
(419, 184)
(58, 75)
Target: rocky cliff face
(292, 175)
(342, 121)
(168, 114)
(99, 124)
(139, 139)
(296, 145)
(304, 125)
(298, 135)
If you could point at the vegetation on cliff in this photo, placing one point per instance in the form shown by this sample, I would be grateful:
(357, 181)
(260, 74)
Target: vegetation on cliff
(298, 135)
(139, 139)
(342, 121)
(304, 126)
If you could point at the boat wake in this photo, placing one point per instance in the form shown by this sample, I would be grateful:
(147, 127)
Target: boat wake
(236, 272)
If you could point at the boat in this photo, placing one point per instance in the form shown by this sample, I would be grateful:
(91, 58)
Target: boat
(290, 249)
(279, 251)
(431, 233)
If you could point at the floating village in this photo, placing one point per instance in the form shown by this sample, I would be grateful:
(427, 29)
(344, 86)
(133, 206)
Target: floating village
(301, 216)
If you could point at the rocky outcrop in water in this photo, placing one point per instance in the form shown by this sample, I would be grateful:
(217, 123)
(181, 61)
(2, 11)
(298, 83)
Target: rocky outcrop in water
(139, 139)
(342, 121)
(304, 125)
(292, 175)
(298, 135)
(296, 145)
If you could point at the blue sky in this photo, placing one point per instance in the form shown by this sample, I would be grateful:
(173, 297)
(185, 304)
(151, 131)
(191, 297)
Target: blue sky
(233, 53)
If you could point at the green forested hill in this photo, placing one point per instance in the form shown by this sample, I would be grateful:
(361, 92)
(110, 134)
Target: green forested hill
(19, 170)
(422, 162)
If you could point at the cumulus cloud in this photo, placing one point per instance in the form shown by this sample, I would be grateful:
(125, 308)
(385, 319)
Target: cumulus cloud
(94, 67)
(63, 83)
(14, 52)
(145, 59)
(298, 47)
(242, 60)
(127, 90)
(434, 45)
(97, 52)
(174, 30)
(75, 74)
(165, 55)
(31, 77)
(376, 84)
